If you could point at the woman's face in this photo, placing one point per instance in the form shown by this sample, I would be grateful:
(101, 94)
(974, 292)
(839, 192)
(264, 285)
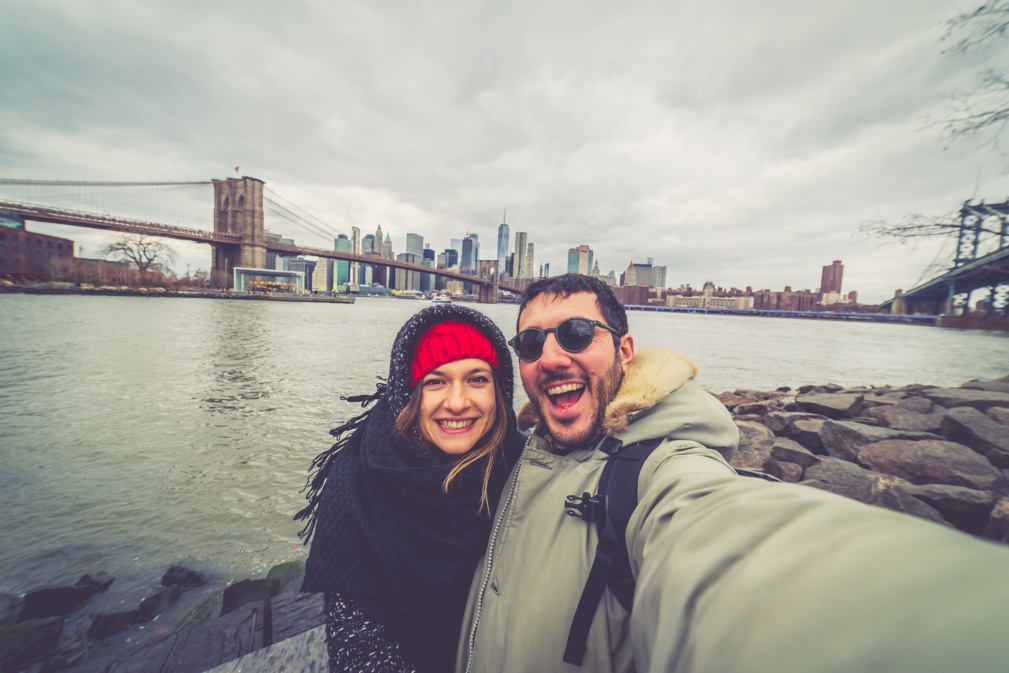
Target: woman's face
(457, 405)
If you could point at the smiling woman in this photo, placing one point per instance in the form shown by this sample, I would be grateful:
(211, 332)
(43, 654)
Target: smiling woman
(400, 506)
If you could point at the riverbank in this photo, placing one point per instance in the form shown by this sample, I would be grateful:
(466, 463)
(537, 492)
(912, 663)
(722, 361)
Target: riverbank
(124, 291)
(938, 453)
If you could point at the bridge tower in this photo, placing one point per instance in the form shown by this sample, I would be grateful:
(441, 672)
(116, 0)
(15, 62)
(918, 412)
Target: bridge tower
(238, 209)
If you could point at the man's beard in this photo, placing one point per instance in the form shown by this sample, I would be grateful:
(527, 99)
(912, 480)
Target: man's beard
(603, 390)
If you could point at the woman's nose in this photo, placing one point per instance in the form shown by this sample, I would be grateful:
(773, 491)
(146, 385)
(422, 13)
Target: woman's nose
(456, 399)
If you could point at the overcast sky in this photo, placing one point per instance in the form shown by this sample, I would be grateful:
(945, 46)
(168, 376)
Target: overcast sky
(735, 141)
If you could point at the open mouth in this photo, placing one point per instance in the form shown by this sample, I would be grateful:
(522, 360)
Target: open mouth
(565, 395)
(452, 424)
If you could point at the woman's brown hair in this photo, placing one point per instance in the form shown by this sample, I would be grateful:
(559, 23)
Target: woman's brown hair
(407, 428)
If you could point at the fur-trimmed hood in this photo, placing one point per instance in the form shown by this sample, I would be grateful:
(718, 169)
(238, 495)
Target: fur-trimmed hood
(659, 397)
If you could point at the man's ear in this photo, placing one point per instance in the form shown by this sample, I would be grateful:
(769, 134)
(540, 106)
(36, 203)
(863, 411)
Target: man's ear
(626, 351)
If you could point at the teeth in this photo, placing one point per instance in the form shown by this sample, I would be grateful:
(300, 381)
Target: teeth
(566, 388)
(456, 425)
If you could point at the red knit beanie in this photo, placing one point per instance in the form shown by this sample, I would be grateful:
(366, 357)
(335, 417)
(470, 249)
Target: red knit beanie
(450, 341)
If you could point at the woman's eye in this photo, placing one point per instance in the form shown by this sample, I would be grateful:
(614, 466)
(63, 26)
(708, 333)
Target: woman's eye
(479, 379)
(433, 382)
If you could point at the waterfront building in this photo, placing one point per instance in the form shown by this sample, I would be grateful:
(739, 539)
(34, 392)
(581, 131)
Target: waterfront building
(405, 279)
(529, 262)
(520, 255)
(306, 267)
(265, 281)
(502, 247)
(709, 299)
(451, 257)
(830, 278)
(580, 260)
(387, 248)
(379, 238)
(427, 279)
(368, 244)
(787, 300)
(476, 250)
(322, 276)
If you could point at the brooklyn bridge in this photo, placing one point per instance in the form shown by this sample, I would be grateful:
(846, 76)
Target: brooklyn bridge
(240, 218)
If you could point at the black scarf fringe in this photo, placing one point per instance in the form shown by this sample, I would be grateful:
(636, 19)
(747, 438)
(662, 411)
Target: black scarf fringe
(320, 469)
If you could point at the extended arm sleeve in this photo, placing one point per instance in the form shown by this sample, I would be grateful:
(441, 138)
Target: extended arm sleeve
(737, 574)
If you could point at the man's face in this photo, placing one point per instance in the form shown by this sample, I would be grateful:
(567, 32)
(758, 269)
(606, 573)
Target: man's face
(571, 390)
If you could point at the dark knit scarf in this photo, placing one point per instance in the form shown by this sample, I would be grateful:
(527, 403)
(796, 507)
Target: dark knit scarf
(385, 534)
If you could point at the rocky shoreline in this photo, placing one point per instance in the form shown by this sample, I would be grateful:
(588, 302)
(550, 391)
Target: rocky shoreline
(941, 454)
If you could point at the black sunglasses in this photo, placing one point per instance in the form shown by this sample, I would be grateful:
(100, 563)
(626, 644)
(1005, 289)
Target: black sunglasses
(574, 335)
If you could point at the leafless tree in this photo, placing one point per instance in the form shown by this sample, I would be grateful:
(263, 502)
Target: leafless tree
(985, 110)
(146, 252)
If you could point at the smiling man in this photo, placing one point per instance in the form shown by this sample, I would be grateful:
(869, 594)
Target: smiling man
(731, 573)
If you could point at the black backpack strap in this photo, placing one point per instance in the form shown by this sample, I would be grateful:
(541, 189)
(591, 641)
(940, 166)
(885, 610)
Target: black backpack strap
(610, 509)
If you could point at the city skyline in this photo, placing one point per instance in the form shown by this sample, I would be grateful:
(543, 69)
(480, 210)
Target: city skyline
(746, 143)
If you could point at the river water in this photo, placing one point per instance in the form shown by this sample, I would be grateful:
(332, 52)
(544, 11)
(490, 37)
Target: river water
(139, 432)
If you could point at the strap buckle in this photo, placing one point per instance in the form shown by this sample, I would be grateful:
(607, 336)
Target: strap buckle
(585, 506)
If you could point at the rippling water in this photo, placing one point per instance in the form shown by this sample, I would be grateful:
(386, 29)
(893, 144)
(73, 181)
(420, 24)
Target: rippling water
(139, 432)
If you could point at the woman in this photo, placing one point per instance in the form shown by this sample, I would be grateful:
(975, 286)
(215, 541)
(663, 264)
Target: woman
(401, 505)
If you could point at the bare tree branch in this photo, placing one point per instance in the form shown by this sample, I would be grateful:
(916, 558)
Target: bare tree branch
(923, 226)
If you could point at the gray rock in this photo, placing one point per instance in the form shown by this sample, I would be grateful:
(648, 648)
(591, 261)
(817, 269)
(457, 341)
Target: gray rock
(752, 456)
(182, 576)
(55, 600)
(753, 395)
(789, 472)
(966, 508)
(752, 433)
(731, 400)
(843, 439)
(246, 591)
(871, 400)
(982, 400)
(780, 422)
(802, 390)
(806, 431)
(790, 451)
(843, 478)
(929, 462)
(990, 386)
(898, 418)
(866, 420)
(289, 574)
(99, 581)
(831, 405)
(916, 405)
(829, 388)
(979, 432)
(29, 642)
(999, 414)
(897, 498)
(762, 407)
(155, 604)
(998, 523)
(105, 624)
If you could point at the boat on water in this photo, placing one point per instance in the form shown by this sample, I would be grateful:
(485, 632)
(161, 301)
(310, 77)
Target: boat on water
(441, 299)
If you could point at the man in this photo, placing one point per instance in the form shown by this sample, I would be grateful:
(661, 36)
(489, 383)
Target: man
(733, 574)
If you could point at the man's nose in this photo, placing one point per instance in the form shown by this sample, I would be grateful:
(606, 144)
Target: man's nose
(554, 357)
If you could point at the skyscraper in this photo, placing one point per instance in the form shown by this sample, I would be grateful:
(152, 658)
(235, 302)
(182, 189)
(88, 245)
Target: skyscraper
(342, 272)
(520, 255)
(530, 264)
(502, 247)
(468, 258)
(830, 279)
(476, 251)
(580, 260)
(355, 244)
(415, 244)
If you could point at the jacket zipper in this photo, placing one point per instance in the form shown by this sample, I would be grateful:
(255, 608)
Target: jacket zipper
(490, 563)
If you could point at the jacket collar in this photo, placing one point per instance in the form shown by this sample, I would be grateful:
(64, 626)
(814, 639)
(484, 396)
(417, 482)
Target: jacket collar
(653, 374)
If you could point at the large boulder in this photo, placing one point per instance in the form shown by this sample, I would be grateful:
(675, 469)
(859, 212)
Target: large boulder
(881, 399)
(155, 604)
(843, 478)
(999, 415)
(973, 428)
(966, 508)
(789, 451)
(732, 400)
(895, 496)
(998, 524)
(789, 472)
(182, 576)
(843, 439)
(806, 431)
(916, 405)
(246, 591)
(990, 386)
(780, 422)
(898, 418)
(930, 462)
(289, 574)
(831, 405)
(29, 642)
(54, 601)
(982, 400)
(105, 624)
